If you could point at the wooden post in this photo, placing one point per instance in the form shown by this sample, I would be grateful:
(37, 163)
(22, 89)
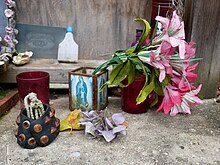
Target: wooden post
(188, 16)
(206, 33)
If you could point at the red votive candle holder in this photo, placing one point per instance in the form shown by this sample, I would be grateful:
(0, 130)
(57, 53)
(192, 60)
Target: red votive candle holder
(129, 95)
(35, 81)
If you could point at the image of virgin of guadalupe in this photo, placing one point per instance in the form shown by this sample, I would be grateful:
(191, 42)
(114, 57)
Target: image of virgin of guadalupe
(81, 94)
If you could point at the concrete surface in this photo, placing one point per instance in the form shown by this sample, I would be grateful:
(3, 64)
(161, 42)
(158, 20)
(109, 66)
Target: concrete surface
(152, 138)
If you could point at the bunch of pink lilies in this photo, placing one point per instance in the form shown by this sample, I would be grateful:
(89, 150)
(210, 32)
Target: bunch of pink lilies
(173, 57)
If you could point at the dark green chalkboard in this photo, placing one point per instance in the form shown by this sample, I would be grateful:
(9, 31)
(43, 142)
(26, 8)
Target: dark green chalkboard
(42, 40)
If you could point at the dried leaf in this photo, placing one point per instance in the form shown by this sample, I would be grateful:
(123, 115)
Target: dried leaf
(72, 121)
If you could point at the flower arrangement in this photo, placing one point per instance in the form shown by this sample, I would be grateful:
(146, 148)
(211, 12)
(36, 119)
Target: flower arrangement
(165, 61)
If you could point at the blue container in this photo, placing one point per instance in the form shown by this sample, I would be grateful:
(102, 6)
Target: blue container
(84, 89)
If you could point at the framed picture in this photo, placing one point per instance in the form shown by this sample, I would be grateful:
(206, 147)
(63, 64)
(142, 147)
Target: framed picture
(84, 88)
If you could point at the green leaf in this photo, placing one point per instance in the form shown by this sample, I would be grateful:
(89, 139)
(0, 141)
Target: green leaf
(144, 53)
(139, 65)
(110, 62)
(104, 85)
(145, 91)
(144, 35)
(158, 88)
(122, 74)
(154, 102)
(123, 58)
(157, 85)
(130, 74)
(118, 73)
(166, 80)
(119, 52)
(130, 50)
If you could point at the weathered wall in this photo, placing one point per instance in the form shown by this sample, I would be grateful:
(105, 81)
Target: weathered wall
(101, 26)
(206, 33)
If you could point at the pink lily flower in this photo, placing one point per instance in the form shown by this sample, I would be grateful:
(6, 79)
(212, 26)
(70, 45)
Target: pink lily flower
(179, 82)
(182, 64)
(192, 98)
(183, 108)
(190, 51)
(185, 86)
(159, 62)
(189, 99)
(184, 70)
(184, 77)
(166, 48)
(189, 73)
(171, 97)
(8, 13)
(173, 33)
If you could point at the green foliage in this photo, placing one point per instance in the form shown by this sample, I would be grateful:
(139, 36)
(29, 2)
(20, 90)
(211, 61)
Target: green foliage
(127, 65)
(144, 35)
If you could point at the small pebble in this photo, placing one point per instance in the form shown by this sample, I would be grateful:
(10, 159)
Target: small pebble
(76, 154)
(166, 153)
(192, 130)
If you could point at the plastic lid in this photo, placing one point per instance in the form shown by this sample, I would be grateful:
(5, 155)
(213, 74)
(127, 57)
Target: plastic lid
(139, 30)
(69, 29)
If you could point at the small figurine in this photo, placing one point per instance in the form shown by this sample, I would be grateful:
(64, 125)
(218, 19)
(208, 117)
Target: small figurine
(35, 109)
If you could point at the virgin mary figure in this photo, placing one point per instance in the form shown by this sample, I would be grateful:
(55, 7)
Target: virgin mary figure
(81, 93)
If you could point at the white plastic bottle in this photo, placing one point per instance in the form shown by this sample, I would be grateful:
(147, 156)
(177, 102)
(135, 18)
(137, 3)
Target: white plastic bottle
(68, 48)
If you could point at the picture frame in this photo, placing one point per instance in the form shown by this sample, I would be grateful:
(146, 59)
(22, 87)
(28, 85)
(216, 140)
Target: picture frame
(84, 88)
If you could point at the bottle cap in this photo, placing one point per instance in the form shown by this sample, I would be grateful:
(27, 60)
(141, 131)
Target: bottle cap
(69, 29)
(139, 30)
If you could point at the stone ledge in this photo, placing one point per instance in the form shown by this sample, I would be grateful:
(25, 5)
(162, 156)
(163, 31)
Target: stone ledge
(58, 71)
